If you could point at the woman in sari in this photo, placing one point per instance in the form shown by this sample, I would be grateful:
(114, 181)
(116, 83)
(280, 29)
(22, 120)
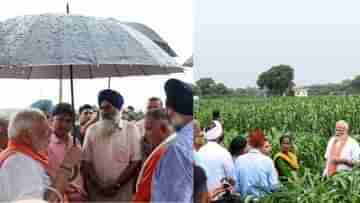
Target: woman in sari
(286, 162)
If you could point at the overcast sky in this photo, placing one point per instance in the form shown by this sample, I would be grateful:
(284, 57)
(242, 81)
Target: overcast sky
(173, 20)
(237, 40)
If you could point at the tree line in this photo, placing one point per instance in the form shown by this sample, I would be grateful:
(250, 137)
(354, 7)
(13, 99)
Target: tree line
(278, 80)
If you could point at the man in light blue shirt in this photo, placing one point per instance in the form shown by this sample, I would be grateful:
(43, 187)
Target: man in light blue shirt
(255, 173)
(173, 178)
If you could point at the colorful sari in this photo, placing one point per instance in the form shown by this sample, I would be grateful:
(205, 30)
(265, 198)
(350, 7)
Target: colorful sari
(287, 165)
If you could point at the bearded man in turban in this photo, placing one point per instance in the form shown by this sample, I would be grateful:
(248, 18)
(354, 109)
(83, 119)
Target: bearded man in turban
(111, 152)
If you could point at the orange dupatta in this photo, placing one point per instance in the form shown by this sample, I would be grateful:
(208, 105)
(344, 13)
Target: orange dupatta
(144, 181)
(143, 187)
(14, 147)
(335, 151)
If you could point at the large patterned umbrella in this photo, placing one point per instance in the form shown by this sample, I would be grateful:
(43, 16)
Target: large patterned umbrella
(56, 46)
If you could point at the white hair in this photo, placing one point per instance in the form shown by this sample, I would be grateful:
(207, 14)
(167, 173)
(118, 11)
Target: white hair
(343, 123)
(24, 120)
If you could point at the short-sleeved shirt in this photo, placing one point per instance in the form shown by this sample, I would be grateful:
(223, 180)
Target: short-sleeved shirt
(351, 151)
(22, 178)
(111, 155)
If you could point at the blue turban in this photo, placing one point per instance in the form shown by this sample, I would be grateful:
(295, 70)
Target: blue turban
(44, 105)
(111, 96)
(179, 96)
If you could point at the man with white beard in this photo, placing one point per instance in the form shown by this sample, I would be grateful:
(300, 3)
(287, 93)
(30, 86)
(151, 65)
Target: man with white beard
(111, 152)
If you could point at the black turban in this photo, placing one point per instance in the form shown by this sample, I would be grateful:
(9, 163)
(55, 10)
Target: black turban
(179, 96)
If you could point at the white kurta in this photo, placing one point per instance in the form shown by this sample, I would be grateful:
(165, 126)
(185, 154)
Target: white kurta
(217, 162)
(351, 151)
(22, 178)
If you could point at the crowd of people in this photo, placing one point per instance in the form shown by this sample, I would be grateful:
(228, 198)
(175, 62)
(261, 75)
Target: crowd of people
(247, 168)
(164, 157)
(104, 157)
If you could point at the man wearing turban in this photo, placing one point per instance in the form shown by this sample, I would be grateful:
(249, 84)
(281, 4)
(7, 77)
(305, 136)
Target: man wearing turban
(112, 153)
(173, 177)
(217, 160)
(255, 172)
(44, 105)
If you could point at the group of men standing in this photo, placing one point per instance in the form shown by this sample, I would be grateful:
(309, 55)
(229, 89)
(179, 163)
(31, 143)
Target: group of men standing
(117, 160)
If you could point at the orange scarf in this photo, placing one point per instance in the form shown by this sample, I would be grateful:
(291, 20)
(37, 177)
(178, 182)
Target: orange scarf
(14, 147)
(143, 187)
(335, 151)
(144, 181)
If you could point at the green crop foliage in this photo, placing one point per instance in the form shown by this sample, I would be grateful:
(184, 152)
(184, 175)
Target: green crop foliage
(310, 121)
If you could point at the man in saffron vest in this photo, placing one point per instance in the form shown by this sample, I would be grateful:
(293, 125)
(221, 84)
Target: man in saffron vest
(157, 130)
(342, 151)
(173, 177)
(24, 169)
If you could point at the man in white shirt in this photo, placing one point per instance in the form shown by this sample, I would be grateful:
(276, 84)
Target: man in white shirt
(217, 161)
(342, 150)
(24, 169)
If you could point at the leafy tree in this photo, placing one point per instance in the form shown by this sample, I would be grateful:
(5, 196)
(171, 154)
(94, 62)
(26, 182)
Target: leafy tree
(206, 86)
(277, 80)
(356, 83)
(221, 89)
(196, 90)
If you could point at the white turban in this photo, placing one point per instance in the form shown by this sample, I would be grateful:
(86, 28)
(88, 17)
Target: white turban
(214, 132)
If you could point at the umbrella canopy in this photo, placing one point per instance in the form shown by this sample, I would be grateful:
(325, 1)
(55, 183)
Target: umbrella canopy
(44, 46)
(189, 62)
(155, 37)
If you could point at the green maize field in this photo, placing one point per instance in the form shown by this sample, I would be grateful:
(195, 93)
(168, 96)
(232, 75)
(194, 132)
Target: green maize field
(310, 121)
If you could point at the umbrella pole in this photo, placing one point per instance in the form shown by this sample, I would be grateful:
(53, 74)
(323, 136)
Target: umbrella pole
(73, 104)
(109, 82)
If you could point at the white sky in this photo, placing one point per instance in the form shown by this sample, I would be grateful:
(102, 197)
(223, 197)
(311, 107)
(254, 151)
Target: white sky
(236, 40)
(172, 20)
